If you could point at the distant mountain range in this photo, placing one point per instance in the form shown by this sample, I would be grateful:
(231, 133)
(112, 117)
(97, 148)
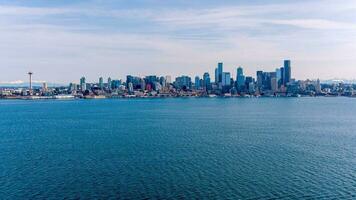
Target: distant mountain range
(19, 84)
(332, 81)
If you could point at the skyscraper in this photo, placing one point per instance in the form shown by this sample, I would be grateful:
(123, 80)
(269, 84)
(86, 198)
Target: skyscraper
(109, 84)
(197, 82)
(287, 72)
(206, 81)
(240, 79)
(101, 83)
(226, 79)
(183, 82)
(259, 76)
(83, 85)
(168, 80)
(30, 88)
(220, 72)
(281, 81)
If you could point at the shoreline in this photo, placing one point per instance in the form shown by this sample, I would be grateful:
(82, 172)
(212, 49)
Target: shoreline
(34, 98)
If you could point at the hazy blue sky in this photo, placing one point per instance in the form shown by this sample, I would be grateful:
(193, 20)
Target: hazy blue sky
(63, 40)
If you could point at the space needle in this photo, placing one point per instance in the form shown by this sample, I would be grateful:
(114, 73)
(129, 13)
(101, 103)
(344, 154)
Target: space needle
(30, 75)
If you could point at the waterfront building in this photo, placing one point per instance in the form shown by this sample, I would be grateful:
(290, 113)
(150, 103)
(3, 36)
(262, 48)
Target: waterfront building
(259, 76)
(101, 83)
(226, 79)
(168, 80)
(183, 82)
(287, 72)
(130, 87)
(220, 72)
(197, 83)
(136, 82)
(162, 81)
(44, 87)
(109, 86)
(83, 85)
(278, 74)
(318, 87)
(274, 84)
(206, 81)
(114, 84)
(240, 79)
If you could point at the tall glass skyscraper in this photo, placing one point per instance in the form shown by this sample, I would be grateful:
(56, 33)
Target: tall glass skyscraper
(287, 72)
(206, 80)
(240, 78)
(220, 72)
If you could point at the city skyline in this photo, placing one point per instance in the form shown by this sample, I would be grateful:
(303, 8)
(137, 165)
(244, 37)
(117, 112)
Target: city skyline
(61, 41)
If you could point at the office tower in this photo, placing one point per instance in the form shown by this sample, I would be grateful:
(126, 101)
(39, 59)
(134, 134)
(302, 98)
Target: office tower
(197, 82)
(109, 84)
(287, 72)
(281, 81)
(44, 87)
(273, 81)
(249, 84)
(206, 81)
(318, 87)
(259, 76)
(73, 87)
(115, 84)
(162, 81)
(220, 72)
(157, 86)
(274, 84)
(101, 83)
(136, 82)
(240, 79)
(83, 85)
(143, 84)
(30, 87)
(130, 87)
(216, 76)
(183, 82)
(168, 80)
(278, 74)
(226, 79)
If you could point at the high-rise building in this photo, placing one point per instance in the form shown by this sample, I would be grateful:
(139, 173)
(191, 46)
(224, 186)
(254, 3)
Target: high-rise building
(287, 72)
(130, 87)
(162, 81)
(240, 79)
(197, 82)
(110, 85)
(44, 87)
(216, 76)
(83, 85)
(183, 82)
(30, 87)
(136, 82)
(226, 79)
(273, 81)
(101, 83)
(249, 84)
(168, 80)
(206, 81)
(318, 87)
(220, 72)
(115, 84)
(259, 76)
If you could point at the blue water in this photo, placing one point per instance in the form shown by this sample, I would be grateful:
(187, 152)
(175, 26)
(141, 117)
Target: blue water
(267, 148)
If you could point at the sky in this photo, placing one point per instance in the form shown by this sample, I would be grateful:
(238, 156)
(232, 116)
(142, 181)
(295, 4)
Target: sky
(61, 41)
